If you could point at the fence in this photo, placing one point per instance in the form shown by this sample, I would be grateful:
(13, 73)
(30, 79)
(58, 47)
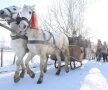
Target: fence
(7, 56)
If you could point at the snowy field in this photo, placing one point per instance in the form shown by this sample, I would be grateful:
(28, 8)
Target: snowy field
(91, 76)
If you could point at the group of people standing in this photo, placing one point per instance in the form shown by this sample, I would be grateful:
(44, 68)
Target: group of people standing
(102, 51)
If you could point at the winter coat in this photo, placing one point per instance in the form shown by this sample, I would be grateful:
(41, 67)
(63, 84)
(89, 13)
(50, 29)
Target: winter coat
(104, 49)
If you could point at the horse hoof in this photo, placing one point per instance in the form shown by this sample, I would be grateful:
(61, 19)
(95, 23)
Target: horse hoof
(45, 70)
(67, 70)
(39, 82)
(22, 75)
(16, 80)
(33, 75)
(58, 72)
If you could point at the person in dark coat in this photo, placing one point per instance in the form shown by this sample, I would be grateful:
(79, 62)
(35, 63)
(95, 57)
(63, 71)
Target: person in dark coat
(98, 51)
(104, 52)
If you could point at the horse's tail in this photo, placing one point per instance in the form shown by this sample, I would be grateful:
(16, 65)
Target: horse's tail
(66, 47)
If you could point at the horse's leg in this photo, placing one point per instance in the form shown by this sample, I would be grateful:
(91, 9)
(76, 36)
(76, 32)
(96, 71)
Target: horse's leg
(23, 70)
(16, 75)
(67, 59)
(57, 54)
(42, 67)
(45, 64)
(55, 64)
(29, 71)
(22, 52)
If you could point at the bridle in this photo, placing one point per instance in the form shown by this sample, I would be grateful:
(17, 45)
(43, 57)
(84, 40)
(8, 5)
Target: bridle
(11, 16)
(25, 19)
(17, 20)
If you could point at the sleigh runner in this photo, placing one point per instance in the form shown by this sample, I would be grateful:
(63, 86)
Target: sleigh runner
(76, 55)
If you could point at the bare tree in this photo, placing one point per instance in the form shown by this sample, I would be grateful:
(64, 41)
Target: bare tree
(65, 16)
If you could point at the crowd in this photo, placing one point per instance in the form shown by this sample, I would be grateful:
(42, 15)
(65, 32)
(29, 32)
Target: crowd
(102, 51)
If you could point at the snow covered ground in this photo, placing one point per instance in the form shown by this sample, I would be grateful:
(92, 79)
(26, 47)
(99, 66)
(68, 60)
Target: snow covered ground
(91, 76)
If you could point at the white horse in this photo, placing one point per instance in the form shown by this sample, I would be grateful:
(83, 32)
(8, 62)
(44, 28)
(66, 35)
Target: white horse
(19, 44)
(43, 43)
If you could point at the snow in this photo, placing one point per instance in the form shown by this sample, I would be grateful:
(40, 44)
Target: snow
(92, 75)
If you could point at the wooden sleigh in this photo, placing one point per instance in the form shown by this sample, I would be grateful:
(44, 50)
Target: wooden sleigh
(76, 55)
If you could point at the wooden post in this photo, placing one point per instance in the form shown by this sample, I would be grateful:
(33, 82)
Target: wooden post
(1, 57)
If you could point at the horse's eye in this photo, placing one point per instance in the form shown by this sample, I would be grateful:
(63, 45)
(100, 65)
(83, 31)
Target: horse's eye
(14, 8)
(29, 12)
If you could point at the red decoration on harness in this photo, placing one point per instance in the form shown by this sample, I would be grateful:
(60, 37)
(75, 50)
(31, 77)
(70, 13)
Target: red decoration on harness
(34, 21)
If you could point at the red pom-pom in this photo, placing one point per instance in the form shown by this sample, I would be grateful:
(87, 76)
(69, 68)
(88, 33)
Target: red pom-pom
(34, 21)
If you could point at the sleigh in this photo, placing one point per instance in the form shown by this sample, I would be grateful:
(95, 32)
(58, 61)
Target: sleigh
(76, 56)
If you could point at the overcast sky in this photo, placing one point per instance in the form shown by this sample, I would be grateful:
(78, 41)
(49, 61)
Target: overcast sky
(96, 19)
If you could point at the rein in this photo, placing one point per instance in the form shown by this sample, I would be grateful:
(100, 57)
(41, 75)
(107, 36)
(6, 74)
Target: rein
(10, 21)
(41, 42)
(44, 41)
(17, 37)
(12, 30)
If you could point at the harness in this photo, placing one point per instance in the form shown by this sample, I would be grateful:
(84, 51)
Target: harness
(44, 41)
(51, 35)
(17, 37)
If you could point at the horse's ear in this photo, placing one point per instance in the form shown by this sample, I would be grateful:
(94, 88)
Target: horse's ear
(19, 8)
(25, 5)
(33, 7)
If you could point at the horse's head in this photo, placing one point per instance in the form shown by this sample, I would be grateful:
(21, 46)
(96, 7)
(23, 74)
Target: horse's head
(9, 13)
(26, 16)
